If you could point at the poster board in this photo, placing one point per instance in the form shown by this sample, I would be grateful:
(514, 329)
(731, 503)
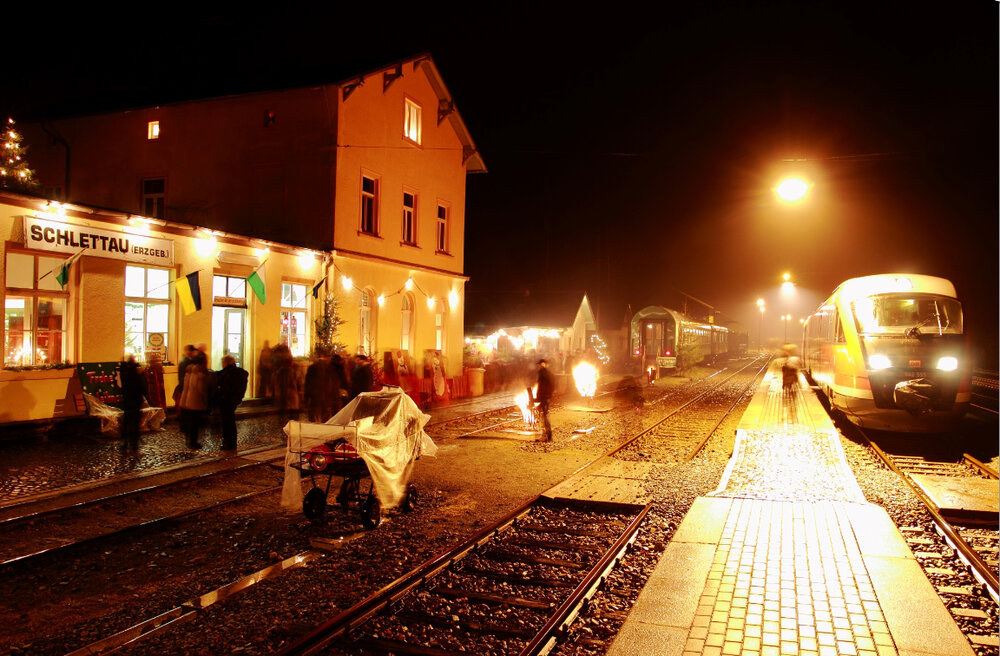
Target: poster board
(100, 380)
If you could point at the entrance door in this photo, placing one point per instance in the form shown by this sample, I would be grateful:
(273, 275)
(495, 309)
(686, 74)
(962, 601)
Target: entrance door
(228, 335)
(234, 334)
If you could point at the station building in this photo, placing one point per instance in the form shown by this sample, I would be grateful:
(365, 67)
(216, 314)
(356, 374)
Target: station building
(354, 188)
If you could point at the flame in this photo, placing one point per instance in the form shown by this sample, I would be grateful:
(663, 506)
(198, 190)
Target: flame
(524, 403)
(585, 376)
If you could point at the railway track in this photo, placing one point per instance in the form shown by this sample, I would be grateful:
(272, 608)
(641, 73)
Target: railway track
(28, 535)
(556, 584)
(510, 588)
(986, 391)
(975, 545)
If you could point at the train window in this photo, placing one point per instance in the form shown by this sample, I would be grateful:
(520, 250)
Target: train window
(900, 313)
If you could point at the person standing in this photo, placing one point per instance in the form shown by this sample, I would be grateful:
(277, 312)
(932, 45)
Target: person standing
(186, 359)
(316, 392)
(194, 399)
(133, 392)
(265, 369)
(287, 392)
(154, 381)
(543, 395)
(362, 378)
(230, 389)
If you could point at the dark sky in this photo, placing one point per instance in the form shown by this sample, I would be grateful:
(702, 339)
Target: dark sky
(632, 153)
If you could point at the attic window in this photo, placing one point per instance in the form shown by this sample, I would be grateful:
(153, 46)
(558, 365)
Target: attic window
(411, 122)
(153, 130)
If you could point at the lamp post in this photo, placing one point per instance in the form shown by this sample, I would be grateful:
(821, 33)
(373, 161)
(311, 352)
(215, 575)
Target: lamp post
(786, 318)
(760, 326)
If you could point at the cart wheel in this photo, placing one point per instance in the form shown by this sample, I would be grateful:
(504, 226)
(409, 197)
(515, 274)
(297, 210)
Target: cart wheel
(370, 512)
(314, 503)
(410, 502)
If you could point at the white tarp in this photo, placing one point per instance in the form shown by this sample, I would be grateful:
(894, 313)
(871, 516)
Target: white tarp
(387, 430)
(150, 418)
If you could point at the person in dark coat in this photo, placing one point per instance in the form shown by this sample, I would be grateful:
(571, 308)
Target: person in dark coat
(194, 399)
(362, 378)
(338, 382)
(316, 393)
(186, 359)
(543, 395)
(133, 385)
(265, 370)
(231, 386)
(287, 388)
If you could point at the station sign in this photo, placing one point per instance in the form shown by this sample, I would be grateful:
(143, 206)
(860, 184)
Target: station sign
(666, 363)
(60, 237)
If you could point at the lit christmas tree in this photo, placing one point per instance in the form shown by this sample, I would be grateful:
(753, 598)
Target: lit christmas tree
(14, 171)
(328, 326)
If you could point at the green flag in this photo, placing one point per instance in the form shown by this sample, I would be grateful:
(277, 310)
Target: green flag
(256, 282)
(63, 276)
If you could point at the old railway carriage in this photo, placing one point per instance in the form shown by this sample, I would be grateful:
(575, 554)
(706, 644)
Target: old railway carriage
(889, 351)
(657, 332)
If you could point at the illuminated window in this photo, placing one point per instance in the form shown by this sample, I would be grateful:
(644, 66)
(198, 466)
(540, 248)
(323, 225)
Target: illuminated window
(147, 310)
(229, 290)
(442, 229)
(411, 122)
(439, 331)
(366, 338)
(153, 130)
(409, 219)
(153, 197)
(293, 317)
(369, 205)
(406, 323)
(34, 310)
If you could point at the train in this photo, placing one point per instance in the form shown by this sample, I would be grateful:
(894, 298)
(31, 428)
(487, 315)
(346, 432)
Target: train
(890, 352)
(656, 333)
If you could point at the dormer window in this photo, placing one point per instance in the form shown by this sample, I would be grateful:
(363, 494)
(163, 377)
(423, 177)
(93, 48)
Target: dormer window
(411, 122)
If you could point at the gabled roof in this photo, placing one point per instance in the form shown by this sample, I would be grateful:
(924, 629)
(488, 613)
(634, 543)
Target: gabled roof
(446, 109)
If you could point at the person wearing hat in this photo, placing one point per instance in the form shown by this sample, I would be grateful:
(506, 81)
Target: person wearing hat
(543, 395)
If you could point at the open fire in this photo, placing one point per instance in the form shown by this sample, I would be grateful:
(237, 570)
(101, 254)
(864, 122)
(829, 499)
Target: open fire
(524, 403)
(585, 376)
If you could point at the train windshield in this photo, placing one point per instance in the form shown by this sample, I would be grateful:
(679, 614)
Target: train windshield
(908, 314)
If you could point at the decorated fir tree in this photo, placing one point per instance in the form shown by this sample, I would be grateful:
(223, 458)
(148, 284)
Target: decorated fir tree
(328, 326)
(14, 171)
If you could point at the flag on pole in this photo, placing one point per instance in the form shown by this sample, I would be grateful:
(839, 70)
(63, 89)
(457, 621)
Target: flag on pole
(62, 269)
(189, 292)
(256, 282)
(317, 286)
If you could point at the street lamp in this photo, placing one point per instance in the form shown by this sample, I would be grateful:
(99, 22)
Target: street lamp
(760, 327)
(792, 190)
(786, 318)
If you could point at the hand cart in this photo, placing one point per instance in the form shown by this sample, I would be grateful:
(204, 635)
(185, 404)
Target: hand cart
(338, 459)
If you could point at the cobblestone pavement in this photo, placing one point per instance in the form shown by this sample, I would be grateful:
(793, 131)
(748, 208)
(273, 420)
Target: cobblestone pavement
(33, 466)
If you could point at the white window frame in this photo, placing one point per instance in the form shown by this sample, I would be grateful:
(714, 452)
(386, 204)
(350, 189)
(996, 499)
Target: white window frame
(366, 322)
(161, 298)
(412, 124)
(297, 311)
(441, 234)
(409, 219)
(42, 287)
(369, 205)
(406, 323)
(153, 203)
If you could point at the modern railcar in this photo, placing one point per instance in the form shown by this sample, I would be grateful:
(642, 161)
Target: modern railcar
(657, 333)
(890, 352)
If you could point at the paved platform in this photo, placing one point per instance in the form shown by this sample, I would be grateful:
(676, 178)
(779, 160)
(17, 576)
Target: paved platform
(786, 557)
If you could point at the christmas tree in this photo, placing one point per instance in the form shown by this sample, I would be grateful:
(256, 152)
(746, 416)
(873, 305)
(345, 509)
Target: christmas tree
(328, 326)
(14, 171)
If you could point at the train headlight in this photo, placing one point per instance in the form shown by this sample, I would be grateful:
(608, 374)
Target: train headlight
(948, 363)
(879, 361)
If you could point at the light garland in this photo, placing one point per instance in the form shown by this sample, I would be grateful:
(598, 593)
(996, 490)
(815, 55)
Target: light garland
(600, 347)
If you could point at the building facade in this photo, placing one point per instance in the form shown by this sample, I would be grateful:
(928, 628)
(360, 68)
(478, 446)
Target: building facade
(367, 175)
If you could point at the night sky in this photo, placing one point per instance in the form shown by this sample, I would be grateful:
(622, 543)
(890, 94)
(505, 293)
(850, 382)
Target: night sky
(632, 155)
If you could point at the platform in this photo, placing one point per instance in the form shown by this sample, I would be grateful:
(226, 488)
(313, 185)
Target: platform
(786, 557)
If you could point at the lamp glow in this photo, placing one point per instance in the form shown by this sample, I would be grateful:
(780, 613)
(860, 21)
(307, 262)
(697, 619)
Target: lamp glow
(878, 362)
(791, 190)
(948, 363)
(346, 282)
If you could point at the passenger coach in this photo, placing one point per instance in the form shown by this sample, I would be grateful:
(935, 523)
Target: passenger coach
(657, 332)
(889, 351)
